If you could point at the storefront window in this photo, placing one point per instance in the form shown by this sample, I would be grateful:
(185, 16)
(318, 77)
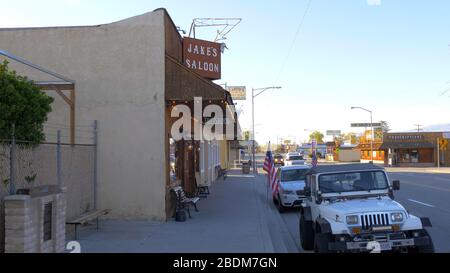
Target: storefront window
(414, 156)
(404, 156)
(172, 160)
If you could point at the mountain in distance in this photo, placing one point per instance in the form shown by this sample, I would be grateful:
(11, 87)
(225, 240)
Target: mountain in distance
(430, 128)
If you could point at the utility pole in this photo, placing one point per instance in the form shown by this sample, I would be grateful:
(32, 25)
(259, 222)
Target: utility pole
(418, 127)
(371, 128)
(261, 90)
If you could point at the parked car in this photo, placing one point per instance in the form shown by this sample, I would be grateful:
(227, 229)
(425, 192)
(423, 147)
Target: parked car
(294, 159)
(278, 159)
(291, 186)
(351, 208)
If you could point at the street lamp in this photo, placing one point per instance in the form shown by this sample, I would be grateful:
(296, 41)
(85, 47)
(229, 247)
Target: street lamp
(261, 90)
(371, 128)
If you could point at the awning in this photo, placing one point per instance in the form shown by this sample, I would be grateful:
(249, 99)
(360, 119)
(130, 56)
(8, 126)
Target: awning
(184, 84)
(406, 145)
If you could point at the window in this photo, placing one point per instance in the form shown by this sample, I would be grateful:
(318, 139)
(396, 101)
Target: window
(404, 156)
(295, 157)
(353, 181)
(414, 156)
(293, 175)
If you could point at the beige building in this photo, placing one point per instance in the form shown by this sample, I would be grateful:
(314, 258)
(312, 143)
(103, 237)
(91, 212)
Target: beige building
(127, 75)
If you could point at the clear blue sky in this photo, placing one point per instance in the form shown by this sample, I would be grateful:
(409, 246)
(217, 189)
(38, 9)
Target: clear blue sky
(393, 58)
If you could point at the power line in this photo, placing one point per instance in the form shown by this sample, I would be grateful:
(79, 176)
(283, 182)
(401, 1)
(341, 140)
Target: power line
(418, 127)
(293, 41)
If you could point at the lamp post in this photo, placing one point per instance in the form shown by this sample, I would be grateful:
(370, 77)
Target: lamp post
(371, 128)
(261, 90)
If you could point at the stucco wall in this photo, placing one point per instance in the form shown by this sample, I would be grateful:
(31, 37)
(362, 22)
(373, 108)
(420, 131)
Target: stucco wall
(119, 74)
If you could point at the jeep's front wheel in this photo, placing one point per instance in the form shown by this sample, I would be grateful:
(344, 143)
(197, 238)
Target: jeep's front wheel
(306, 234)
(321, 241)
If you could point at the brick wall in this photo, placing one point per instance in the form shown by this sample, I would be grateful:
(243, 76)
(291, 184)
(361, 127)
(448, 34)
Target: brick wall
(24, 223)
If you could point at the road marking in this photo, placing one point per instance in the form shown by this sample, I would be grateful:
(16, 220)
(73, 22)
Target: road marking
(427, 186)
(442, 178)
(418, 202)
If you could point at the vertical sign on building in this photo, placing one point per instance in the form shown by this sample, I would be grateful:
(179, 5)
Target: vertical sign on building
(203, 57)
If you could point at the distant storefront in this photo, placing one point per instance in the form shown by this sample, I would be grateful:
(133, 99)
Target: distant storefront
(415, 149)
(371, 151)
(378, 155)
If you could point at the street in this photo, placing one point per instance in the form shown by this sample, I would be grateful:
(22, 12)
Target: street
(422, 194)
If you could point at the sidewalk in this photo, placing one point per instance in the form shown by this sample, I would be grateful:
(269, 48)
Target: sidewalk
(234, 218)
(419, 170)
(400, 169)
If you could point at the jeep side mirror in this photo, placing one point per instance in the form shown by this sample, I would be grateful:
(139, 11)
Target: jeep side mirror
(319, 197)
(307, 191)
(396, 185)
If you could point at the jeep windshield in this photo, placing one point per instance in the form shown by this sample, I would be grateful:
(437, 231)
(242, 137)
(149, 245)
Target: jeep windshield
(293, 175)
(353, 181)
(295, 157)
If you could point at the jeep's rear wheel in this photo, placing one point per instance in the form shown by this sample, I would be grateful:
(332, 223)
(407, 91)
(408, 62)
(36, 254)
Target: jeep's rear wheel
(425, 248)
(321, 241)
(306, 234)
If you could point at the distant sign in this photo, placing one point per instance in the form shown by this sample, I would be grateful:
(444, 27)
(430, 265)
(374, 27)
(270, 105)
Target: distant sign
(333, 132)
(247, 143)
(376, 124)
(203, 57)
(237, 92)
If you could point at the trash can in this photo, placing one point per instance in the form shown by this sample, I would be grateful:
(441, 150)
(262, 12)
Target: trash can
(245, 168)
(180, 215)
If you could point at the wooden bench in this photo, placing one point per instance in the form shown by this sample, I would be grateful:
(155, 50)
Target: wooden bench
(202, 188)
(87, 217)
(222, 173)
(203, 191)
(184, 202)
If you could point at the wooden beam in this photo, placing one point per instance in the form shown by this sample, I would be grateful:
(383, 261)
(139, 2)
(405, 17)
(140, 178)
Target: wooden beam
(71, 102)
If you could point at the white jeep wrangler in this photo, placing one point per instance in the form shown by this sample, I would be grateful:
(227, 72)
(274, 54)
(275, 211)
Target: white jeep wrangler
(350, 208)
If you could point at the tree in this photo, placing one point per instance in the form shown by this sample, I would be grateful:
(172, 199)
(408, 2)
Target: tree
(384, 126)
(350, 137)
(318, 136)
(246, 135)
(23, 105)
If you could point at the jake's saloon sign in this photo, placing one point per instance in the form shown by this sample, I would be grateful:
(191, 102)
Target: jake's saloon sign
(203, 57)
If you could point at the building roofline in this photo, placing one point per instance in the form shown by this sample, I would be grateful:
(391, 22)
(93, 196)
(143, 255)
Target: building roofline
(80, 26)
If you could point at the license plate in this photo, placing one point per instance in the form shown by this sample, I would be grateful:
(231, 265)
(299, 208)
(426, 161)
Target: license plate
(377, 247)
(385, 246)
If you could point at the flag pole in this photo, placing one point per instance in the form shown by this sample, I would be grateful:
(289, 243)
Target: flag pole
(267, 184)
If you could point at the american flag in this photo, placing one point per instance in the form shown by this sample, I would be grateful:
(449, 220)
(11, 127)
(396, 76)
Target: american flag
(269, 167)
(314, 159)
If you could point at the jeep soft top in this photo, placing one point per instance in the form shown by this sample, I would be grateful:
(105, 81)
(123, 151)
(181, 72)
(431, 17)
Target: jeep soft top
(344, 168)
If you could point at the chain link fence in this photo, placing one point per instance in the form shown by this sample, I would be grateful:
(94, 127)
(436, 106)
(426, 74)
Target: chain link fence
(23, 167)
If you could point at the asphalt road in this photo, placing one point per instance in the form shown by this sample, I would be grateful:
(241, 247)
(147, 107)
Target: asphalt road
(422, 194)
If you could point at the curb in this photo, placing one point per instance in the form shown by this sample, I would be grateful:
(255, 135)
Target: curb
(414, 170)
(289, 245)
(263, 221)
(273, 225)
